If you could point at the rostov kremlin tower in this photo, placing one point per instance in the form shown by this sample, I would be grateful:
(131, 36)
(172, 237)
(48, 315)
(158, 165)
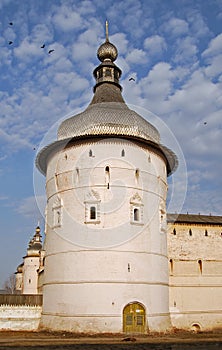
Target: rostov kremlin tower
(106, 264)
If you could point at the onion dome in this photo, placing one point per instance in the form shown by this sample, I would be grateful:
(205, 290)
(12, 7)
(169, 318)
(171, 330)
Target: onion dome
(107, 115)
(107, 51)
(35, 243)
(20, 268)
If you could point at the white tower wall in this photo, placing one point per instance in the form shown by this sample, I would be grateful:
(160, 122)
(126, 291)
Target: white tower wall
(95, 266)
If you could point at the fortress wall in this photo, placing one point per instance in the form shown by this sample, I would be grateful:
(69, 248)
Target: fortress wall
(19, 317)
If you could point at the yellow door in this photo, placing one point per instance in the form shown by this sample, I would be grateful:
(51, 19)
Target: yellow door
(134, 318)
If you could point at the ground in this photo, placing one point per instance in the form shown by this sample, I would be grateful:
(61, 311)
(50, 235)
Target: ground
(62, 340)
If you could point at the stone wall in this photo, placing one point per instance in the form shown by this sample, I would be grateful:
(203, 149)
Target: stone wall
(19, 317)
(195, 267)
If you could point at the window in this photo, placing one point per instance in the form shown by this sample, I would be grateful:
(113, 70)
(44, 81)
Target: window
(107, 176)
(92, 208)
(123, 153)
(136, 210)
(57, 213)
(92, 213)
(171, 266)
(206, 233)
(108, 72)
(190, 232)
(200, 266)
(162, 218)
(136, 214)
(174, 231)
(90, 153)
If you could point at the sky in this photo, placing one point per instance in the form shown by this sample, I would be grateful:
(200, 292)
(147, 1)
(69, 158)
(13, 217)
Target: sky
(172, 49)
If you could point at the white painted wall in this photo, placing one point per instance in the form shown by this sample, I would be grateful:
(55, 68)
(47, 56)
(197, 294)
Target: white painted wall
(30, 275)
(195, 276)
(93, 270)
(20, 317)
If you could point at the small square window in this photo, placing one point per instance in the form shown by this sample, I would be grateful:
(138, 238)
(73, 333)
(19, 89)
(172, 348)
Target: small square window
(92, 212)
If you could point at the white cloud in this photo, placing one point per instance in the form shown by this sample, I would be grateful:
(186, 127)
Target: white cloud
(67, 18)
(176, 27)
(137, 56)
(186, 50)
(215, 47)
(155, 45)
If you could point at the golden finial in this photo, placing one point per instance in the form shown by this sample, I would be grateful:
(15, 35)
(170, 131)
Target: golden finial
(107, 31)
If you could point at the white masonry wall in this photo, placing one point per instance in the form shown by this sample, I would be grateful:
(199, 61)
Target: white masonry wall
(19, 318)
(94, 268)
(195, 265)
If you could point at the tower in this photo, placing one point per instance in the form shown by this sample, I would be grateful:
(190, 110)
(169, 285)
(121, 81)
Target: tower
(30, 266)
(106, 265)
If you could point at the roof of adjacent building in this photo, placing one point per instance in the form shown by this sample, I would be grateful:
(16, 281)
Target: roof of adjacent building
(194, 219)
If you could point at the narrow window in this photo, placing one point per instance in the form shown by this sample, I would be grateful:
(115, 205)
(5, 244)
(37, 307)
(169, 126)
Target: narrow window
(136, 214)
(30, 280)
(171, 266)
(107, 176)
(174, 232)
(90, 153)
(128, 267)
(206, 233)
(200, 266)
(92, 213)
(58, 217)
(137, 173)
(190, 232)
(123, 153)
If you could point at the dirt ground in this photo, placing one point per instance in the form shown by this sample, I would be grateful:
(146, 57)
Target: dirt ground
(62, 340)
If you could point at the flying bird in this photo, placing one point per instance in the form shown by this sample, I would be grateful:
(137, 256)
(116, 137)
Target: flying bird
(42, 47)
(11, 23)
(131, 79)
(10, 42)
(50, 51)
(205, 123)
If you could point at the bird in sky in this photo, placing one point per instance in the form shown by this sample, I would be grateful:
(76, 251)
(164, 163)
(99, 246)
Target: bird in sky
(205, 123)
(11, 23)
(42, 47)
(50, 51)
(131, 79)
(10, 42)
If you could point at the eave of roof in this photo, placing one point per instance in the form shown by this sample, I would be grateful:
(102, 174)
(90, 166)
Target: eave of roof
(194, 219)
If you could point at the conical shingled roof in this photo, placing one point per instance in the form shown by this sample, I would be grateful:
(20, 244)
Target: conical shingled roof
(107, 115)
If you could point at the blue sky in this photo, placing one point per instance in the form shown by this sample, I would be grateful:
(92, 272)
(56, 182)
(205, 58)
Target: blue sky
(172, 48)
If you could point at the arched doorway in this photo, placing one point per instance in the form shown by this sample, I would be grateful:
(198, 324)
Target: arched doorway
(134, 318)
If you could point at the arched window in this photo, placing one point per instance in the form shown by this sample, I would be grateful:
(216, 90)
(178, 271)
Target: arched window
(136, 214)
(190, 232)
(92, 213)
(200, 266)
(206, 233)
(174, 231)
(107, 176)
(90, 153)
(171, 266)
(123, 153)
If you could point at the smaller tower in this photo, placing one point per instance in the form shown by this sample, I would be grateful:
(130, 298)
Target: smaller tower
(31, 264)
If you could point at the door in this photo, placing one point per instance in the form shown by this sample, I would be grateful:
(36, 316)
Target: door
(134, 318)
